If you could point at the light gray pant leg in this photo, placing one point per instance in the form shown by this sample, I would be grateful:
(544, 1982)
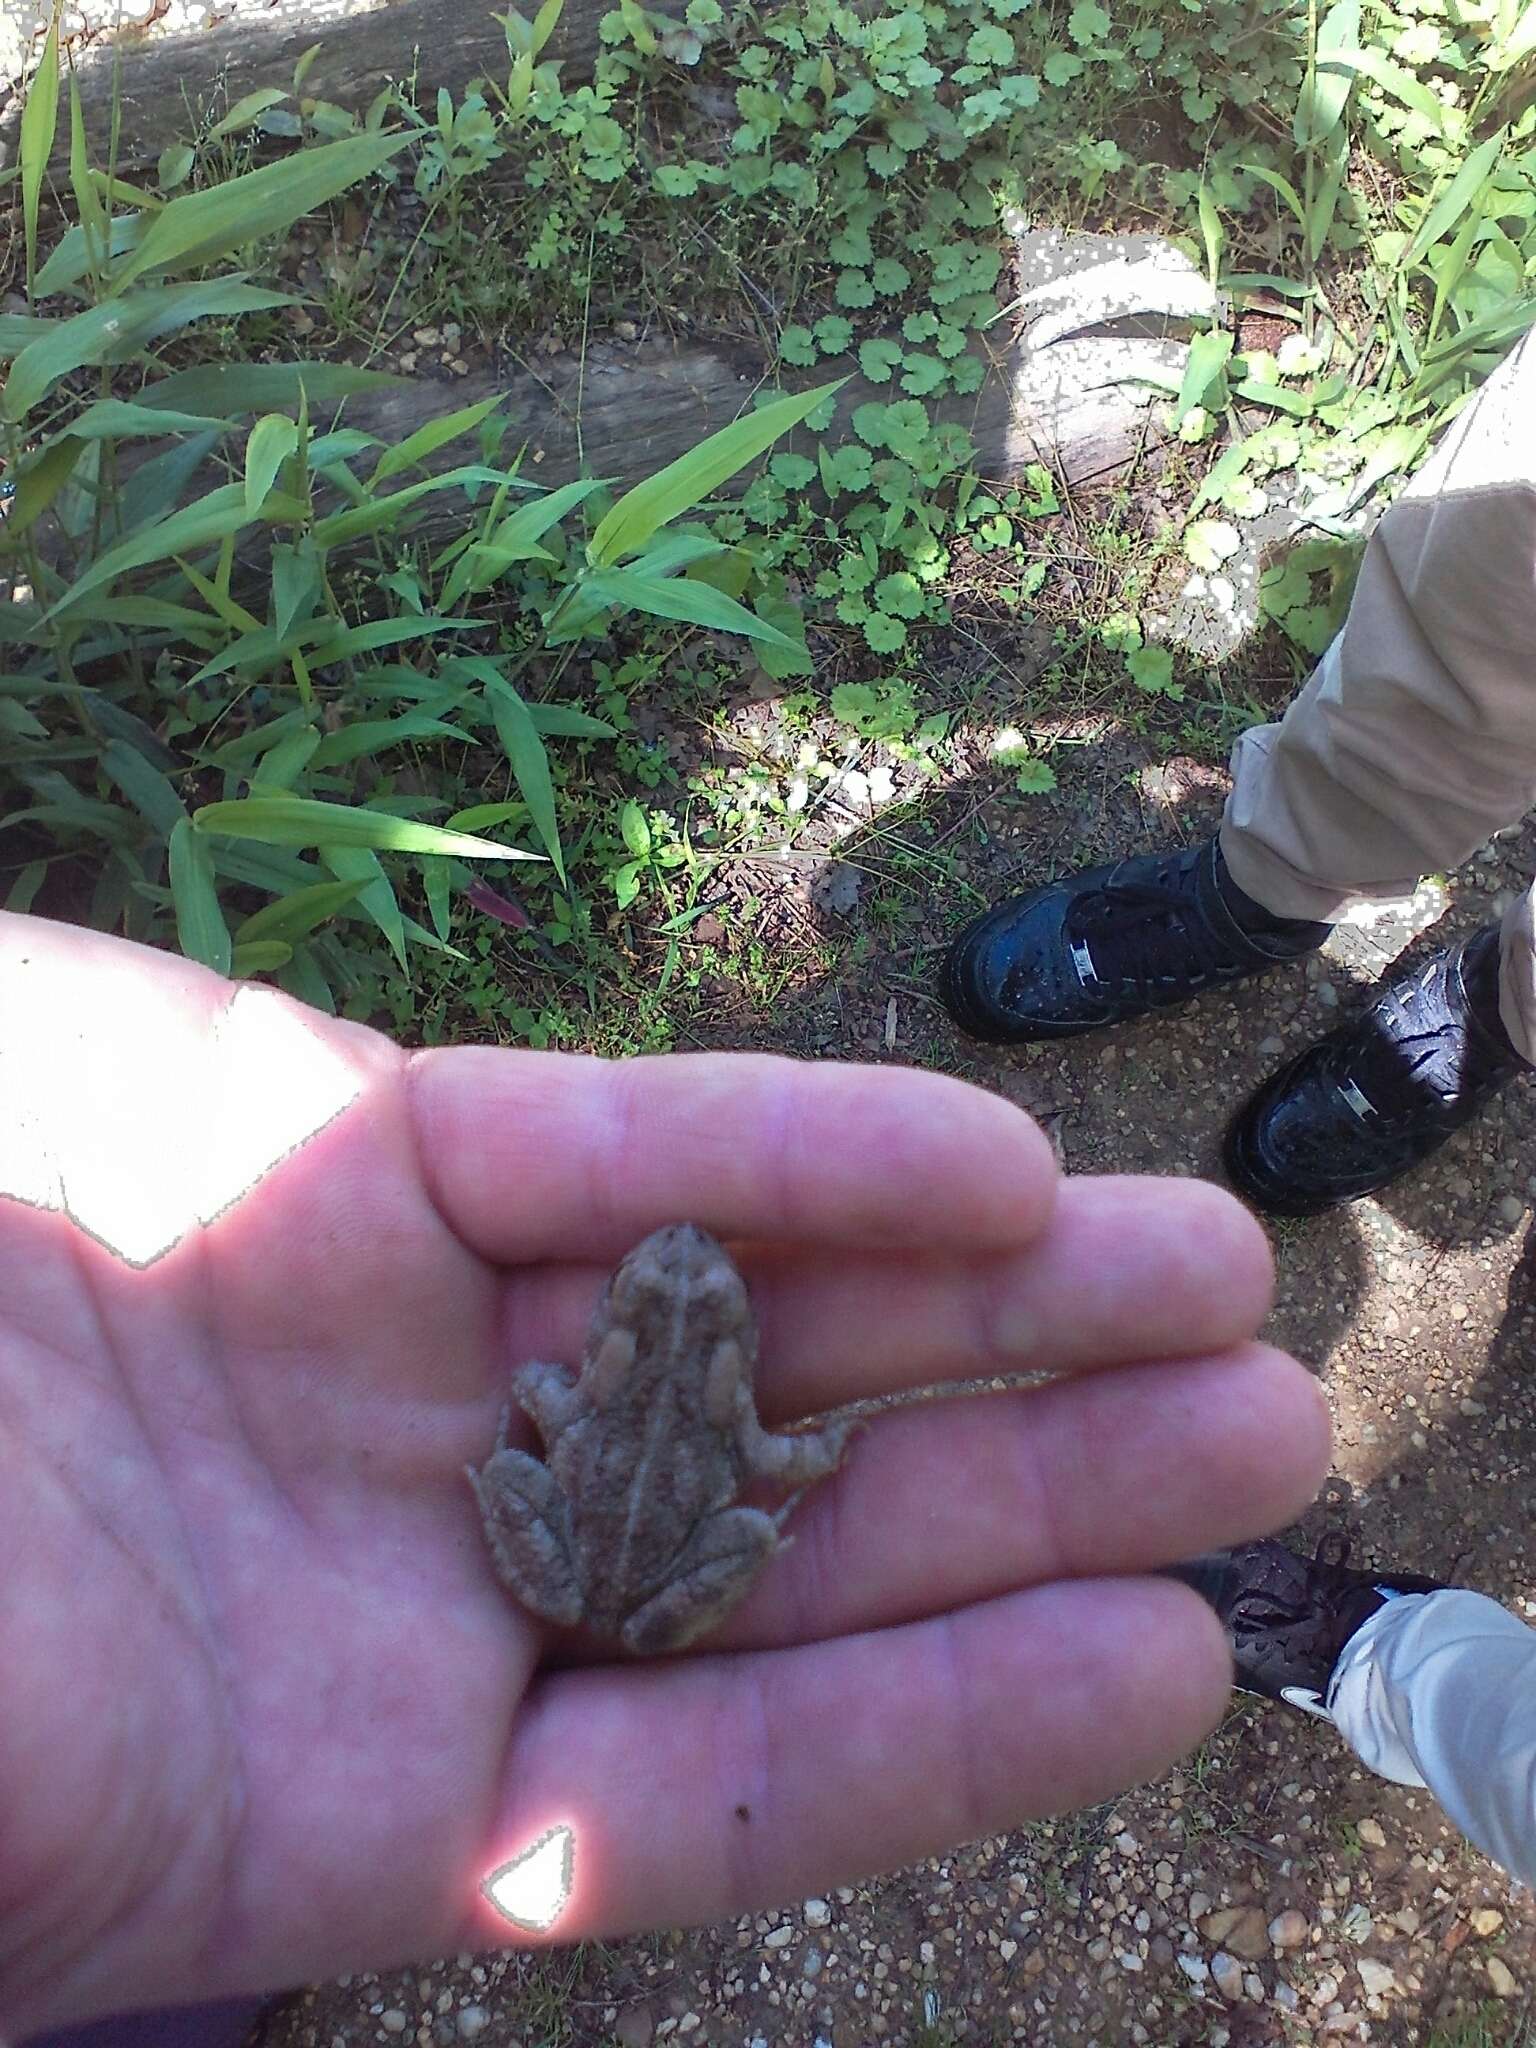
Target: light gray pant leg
(1439, 1690)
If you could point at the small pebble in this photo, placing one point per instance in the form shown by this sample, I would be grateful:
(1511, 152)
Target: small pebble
(1288, 1929)
(1376, 1978)
(1501, 1977)
(1227, 1975)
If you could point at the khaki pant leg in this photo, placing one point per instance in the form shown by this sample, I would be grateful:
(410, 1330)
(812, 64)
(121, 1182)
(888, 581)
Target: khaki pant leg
(1415, 737)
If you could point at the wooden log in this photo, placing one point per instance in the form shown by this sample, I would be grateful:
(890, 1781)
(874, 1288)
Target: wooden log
(626, 410)
(167, 85)
(1099, 335)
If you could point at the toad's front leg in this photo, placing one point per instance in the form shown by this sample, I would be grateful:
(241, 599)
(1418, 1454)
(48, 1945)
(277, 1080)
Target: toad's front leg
(786, 1460)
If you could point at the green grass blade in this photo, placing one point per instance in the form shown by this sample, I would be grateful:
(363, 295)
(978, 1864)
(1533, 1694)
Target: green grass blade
(304, 821)
(93, 215)
(1325, 91)
(434, 435)
(118, 329)
(200, 926)
(39, 120)
(270, 443)
(296, 916)
(200, 227)
(524, 749)
(1209, 354)
(206, 519)
(376, 893)
(237, 388)
(677, 597)
(695, 476)
(264, 957)
(1458, 195)
(144, 786)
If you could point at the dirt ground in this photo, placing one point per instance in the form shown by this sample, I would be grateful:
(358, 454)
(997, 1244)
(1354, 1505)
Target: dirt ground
(1268, 1891)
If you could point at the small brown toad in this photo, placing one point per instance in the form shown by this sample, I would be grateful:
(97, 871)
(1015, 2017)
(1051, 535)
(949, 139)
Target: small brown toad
(632, 1525)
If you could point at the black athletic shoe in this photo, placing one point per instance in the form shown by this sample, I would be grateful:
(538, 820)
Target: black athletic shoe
(1379, 1095)
(1111, 943)
(1288, 1617)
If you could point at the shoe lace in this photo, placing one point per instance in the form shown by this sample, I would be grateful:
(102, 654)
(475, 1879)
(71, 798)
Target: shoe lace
(1149, 931)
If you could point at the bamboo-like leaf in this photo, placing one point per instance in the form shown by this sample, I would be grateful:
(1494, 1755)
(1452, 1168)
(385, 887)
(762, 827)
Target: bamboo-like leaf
(199, 227)
(17, 330)
(1518, 43)
(378, 735)
(304, 821)
(120, 328)
(144, 786)
(564, 721)
(629, 524)
(340, 644)
(379, 513)
(39, 481)
(200, 926)
(295, 583)
(248, 110)
(74, 253)
(236, 388)
(1325, 91)
(297, 915)
(262, 956)
(530, 764)
(93, 214)
(39, 120)
(1393, 79)
(282, 765)
(206, 519)
(1325, 200)
(515, 539)
(676, 597)
(272, 440)
(120, 419)
(376, 893)
(1209, 354)
(1458, 195)
(434, 435)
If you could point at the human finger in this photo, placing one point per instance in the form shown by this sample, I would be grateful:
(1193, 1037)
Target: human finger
(711, 1787)
(546, 1155)
(944, 1504)
(1125, 1269)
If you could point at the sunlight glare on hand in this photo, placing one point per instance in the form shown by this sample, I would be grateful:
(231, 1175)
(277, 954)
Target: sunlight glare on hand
(137, 1119)
(533, 1889)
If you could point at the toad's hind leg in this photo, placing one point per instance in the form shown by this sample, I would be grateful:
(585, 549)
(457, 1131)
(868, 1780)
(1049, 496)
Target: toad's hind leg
(528, 1526)
(717, 1567)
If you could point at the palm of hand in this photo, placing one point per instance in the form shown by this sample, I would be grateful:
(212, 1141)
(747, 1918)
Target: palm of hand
(267, 1660)
(264, 1712)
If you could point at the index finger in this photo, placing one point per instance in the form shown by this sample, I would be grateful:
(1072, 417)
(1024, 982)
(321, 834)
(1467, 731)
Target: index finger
(534, 1155)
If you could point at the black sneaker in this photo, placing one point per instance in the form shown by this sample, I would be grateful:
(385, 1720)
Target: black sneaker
(1288, 1617)
(1111, 943)
(1381, 1094)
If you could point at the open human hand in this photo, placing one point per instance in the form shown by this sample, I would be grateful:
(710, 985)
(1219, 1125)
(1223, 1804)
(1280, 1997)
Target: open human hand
(265, 1713)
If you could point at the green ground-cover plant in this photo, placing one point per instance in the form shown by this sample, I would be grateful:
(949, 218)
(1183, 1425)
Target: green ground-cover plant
(198, 672)
(1364, 173)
